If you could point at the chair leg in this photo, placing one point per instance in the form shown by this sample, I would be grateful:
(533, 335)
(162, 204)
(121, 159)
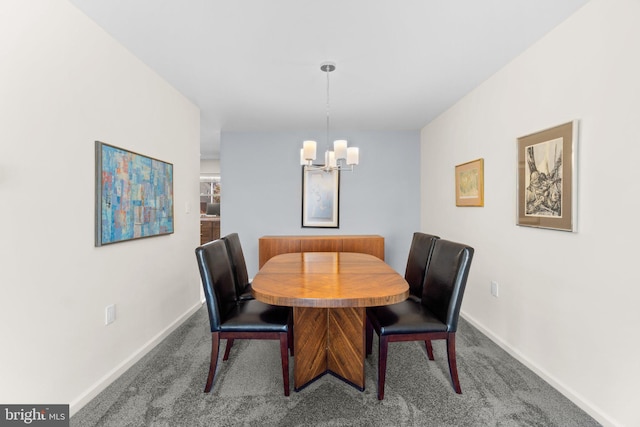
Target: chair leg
(427, 343)
(215, 345)
(382, 364)
(369, 337)
(453, 367)
(227, 349)
(284, 353)
(290, 334)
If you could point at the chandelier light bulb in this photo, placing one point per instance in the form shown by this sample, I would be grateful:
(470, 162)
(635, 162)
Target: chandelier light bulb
(309, 148)
(353, 155)
(340, 147)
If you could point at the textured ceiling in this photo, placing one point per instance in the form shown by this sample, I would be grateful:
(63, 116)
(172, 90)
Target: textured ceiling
(255, 64)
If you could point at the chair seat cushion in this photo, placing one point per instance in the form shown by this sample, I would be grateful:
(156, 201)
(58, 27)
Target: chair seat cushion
(255, 316)
(406, 317)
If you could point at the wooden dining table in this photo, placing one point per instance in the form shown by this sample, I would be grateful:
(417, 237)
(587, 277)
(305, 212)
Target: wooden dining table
(329, 293)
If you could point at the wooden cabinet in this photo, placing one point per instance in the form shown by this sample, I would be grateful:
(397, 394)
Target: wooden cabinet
(270, 246)
(209, 229)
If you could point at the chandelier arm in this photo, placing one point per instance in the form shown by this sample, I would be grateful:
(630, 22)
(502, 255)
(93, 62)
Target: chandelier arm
(326, 168)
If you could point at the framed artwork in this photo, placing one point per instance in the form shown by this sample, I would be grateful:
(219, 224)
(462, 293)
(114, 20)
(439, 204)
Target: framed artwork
(470, 183)
(548, 179)
(134, 195)
(320, 198)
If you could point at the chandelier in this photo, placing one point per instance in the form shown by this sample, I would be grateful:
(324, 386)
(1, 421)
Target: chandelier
(342, 158)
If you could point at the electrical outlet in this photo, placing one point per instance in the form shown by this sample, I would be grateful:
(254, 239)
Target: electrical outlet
(494, 289)
(110, 314)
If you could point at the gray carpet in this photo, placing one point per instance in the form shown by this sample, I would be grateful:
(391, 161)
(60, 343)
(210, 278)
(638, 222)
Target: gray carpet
(166, 389)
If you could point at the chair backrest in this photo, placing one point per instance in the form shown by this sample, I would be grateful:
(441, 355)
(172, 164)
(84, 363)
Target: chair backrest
(238, 264)
(445, 281)
(217, 281)
(417, 262)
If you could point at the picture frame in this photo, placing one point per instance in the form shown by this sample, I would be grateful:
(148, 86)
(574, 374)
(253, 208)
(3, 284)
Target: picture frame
(470, 183)
(134, 195)
(320, 198)
(548, 178)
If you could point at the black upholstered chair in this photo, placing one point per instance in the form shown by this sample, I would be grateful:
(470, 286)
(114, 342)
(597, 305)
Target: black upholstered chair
(232, 319)
(239, 266)
(436, 317)
(417, 262)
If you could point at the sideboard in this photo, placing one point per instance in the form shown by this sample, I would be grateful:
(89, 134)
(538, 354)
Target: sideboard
(209, 229)
(270, 246)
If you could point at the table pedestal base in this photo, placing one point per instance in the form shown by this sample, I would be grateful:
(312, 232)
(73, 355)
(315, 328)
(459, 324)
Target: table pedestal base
(329, 340)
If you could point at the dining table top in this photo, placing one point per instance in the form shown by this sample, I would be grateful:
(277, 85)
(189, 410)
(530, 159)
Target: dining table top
(328, 279)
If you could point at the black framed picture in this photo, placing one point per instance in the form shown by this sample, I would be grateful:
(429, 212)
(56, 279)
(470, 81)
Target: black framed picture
(320, 198)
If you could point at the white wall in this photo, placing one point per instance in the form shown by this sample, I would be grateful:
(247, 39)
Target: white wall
(568, 304)
(65, 83)
(261, 188)
(210, 166)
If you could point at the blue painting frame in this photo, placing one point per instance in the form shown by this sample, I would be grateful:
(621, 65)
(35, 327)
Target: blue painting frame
(134, 195)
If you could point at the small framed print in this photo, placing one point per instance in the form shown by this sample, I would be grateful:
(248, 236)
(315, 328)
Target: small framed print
(470, 183)
(547, 178)
(320, 198)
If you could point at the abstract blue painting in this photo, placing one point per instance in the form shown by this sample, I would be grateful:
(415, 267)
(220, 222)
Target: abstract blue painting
(134, 195)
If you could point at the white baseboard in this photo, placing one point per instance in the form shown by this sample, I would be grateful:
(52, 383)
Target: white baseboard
(105, 381)
(576, 398)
